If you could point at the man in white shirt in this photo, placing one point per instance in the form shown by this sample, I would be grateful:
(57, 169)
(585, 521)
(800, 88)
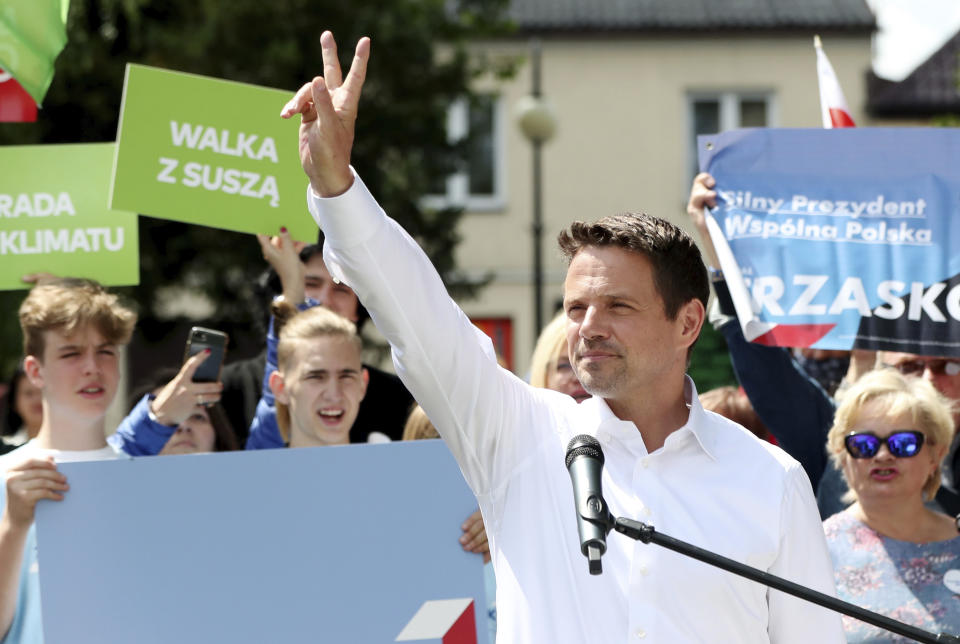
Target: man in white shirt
(72, 333)
(634, 297)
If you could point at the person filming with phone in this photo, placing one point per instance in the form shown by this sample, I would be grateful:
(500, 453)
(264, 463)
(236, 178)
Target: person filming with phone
(157, 417)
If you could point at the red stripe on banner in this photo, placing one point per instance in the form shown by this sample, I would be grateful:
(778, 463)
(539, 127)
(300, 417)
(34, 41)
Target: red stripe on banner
(464, 630)
(794, 335)
(16, 106)
(839, 118)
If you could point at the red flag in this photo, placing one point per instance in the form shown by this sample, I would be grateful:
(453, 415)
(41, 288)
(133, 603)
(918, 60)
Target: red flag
(833, 105)
(16, 106)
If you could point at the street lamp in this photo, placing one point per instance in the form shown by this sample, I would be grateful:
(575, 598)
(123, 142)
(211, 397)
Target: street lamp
(538, 124)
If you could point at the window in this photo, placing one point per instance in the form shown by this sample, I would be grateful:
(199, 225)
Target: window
(712, 112)
(479, 185)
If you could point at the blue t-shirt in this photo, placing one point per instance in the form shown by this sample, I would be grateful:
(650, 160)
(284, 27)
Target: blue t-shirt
(27, 628)
(899, 579)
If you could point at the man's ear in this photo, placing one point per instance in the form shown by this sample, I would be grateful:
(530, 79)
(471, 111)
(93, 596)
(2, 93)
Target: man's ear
(34, 370)
(691, 317)
(365, 379)
(278, 387)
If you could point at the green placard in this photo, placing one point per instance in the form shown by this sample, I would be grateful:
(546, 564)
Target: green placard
(54, 216)
(211, 152)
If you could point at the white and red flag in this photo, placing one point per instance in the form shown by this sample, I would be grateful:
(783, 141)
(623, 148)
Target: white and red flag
(833, 105)
(442, 621)
(16, 105)
(835, 113)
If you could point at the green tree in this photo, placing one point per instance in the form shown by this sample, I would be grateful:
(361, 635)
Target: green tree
(710, 364)
(419, 65)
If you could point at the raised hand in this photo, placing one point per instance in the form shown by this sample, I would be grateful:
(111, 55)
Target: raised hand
(179, 398)
(38, 278)
(474, 537)
(702, 195)
(328, 109)
(283, 255)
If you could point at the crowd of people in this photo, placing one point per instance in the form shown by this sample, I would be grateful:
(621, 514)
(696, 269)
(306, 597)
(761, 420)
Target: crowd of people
(879, 445)
(749, 471)
(313, 389)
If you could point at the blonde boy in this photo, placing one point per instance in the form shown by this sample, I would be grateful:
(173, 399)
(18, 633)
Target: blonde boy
(320, 379)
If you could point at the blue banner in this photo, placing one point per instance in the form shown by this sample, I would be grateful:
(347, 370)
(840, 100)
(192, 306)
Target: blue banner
(324, 544)
(839, 239)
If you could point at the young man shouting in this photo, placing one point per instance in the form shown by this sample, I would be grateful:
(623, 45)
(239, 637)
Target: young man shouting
(319, 381)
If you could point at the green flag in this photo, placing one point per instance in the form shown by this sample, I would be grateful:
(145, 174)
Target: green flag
(32, 34)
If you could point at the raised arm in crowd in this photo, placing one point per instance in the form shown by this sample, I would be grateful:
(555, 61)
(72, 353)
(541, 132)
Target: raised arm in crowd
(793, 406)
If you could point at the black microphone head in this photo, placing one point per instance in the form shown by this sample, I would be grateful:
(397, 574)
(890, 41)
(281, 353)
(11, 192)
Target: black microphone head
(583, 445)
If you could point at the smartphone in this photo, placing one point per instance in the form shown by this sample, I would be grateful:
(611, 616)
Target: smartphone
(200, 339)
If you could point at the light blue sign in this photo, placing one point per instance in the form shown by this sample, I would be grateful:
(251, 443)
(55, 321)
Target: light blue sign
(841, 238)
(330, 544)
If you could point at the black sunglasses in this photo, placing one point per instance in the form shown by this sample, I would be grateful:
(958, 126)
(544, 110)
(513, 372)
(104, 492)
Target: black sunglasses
(902, 444)
(937, 366)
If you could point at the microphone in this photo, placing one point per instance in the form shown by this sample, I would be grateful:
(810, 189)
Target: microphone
(584, 461)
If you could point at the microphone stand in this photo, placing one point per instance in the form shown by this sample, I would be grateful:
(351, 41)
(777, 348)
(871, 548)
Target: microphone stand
(646, 533)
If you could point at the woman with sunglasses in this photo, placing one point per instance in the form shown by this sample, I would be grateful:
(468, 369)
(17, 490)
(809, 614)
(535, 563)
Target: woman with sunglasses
(891, 553)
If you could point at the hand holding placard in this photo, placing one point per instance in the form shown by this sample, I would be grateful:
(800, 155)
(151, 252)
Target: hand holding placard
(38, 278)
(329, 113)
(283, 255)
(702, 195)
(27, 483)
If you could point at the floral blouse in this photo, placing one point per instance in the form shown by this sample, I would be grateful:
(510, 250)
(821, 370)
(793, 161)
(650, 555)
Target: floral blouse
(916, 583)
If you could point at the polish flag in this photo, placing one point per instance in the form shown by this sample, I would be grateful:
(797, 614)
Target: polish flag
(833, 106)
(442, 621)
(16, 106)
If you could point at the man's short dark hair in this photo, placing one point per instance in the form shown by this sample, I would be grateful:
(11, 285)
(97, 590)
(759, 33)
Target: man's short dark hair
(679, 274)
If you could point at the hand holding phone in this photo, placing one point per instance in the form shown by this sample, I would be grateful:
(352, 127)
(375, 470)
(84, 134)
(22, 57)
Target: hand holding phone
(201, 339)
(178, 399)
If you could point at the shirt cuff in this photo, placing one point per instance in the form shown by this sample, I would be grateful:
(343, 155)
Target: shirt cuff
(349, 219)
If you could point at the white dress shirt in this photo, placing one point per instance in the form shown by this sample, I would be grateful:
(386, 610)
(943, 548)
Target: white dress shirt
(712, 484)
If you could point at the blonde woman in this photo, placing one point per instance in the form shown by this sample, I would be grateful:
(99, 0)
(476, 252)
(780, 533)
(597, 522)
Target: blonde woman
(550, 366)
(891, 553)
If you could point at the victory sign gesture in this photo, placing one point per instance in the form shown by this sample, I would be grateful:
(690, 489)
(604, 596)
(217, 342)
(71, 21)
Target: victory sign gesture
(328, 109)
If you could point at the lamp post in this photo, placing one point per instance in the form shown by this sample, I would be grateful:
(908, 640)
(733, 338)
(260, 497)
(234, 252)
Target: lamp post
(538, 124)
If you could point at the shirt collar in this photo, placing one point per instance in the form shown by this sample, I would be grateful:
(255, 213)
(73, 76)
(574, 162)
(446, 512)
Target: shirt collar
(697, 423)
(71, 456)
(600, 421)
(605, 425)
